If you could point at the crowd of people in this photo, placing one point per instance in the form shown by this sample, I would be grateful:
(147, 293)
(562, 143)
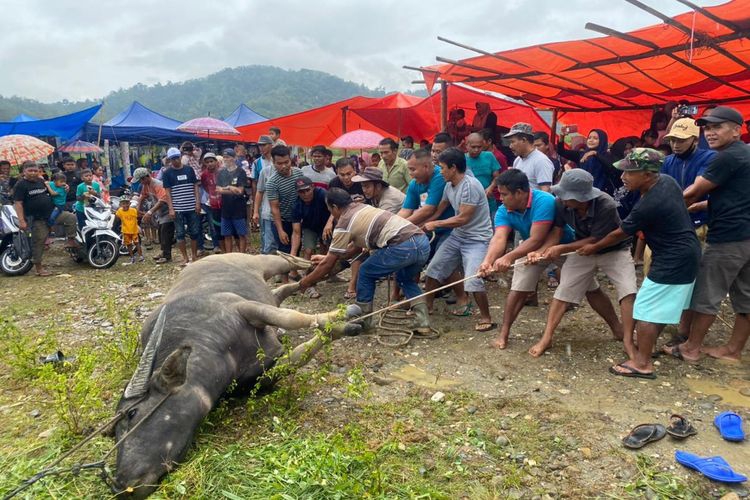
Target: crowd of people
(472, 203)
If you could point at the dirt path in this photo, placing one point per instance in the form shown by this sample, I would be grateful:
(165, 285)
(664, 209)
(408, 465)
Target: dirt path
(567, 391)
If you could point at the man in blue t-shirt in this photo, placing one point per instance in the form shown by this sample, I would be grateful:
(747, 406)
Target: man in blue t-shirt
(423, 195)
(531, 213)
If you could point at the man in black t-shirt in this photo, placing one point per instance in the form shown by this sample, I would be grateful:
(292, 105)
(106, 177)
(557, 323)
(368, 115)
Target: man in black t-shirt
(231, 182)
(34, 205)
(725, 266)
(72, 179)
(666, 224)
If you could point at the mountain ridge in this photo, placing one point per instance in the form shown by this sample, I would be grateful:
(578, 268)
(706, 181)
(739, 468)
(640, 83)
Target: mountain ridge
(268, 90)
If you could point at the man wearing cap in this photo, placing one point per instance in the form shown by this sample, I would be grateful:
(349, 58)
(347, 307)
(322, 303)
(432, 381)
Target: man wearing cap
(395, 245)
(378, 192)
(661, 215)
(318, 173)
(190, 155)
(154, 195)
(211, 201)
(472, 230)
(308, 219)
(230, 184)
(725, 266)
(262, 208)
(529, 160)
(593, 215)
(184, 204)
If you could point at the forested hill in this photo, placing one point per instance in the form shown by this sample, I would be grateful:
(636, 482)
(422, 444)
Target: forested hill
(268, 90)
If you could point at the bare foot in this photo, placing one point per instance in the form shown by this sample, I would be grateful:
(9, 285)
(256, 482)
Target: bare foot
(721, 352)
(540, 347)
(500, 342)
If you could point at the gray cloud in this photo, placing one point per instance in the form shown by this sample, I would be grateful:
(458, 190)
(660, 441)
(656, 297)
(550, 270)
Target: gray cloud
(84, 48)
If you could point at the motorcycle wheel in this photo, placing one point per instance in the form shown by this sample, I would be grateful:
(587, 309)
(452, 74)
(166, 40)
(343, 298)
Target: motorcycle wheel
(12, 265)
(103, 254)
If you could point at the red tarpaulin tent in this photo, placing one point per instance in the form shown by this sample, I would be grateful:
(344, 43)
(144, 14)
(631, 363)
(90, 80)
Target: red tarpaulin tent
(702, 56)
(422, 119)
(394, 115)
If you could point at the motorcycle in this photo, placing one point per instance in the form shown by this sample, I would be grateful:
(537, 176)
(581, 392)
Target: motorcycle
(12, 262)
(98, 243)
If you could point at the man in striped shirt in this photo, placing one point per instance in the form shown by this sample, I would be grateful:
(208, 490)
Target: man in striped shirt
(281, 191)
(184, 203)
(395, 244)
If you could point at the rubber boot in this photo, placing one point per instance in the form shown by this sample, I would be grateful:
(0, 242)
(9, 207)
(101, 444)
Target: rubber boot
(367, 323)
(421, 318)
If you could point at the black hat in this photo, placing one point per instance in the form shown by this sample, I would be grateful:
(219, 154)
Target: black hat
(720, 114)
(303, 183)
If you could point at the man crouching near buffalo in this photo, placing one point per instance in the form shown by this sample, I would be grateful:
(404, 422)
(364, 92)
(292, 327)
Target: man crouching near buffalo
(396, 246)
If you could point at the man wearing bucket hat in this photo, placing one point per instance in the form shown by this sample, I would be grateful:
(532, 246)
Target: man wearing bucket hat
(725, 265)
(593, 215)
(663, 218)
(378, 192)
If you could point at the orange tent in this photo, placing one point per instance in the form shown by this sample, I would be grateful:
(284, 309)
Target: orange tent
(702, 56)
(422, 119)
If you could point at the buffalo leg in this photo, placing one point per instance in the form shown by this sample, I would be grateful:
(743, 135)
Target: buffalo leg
(273, 265)
(281, 293)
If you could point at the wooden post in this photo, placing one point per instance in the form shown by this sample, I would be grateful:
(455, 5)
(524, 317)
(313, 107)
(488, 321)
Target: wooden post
(105, 159)
(443, 105)
(125, 156)
(553, 129)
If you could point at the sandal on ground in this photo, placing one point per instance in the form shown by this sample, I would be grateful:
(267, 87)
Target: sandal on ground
(715, 468)
(643, 434)
(162, 260)
(680, 427)
(312, 293)
(729, 425)
(350, 295)
(485, 326)
(43, 273)
(631, 372)
(675, 353)
(465, 310)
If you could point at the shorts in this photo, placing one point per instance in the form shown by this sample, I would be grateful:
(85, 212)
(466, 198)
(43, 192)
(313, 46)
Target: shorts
(578, 271)
(311, 239)
(661, 304)
(288, 230)
(130, 239)
(192, 221)
(525, 278)
(452, 252)
(724, 269)
(233, 227)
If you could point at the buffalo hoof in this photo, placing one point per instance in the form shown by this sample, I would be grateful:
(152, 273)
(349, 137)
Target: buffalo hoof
(353, 329)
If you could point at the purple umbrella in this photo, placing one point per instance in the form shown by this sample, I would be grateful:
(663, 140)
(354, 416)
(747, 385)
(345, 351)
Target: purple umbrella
(208, 126)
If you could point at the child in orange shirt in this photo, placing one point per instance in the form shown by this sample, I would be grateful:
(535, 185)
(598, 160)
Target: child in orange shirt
(129, 217)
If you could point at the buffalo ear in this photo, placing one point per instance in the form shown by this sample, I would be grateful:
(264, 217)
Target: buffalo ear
(173, 371)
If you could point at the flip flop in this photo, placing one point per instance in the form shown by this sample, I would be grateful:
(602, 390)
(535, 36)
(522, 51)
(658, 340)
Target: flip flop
(715, 468)
(730, 426)
(43, 273)
(643, 434)
(675, 353)
(680, 428)
(465, 310)
(631, 372)
(486, 328)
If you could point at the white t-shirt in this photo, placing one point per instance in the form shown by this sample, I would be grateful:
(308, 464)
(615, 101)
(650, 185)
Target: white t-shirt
(265, 206)
(537, 167)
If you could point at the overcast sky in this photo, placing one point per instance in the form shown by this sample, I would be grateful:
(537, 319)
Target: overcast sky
(76, 49)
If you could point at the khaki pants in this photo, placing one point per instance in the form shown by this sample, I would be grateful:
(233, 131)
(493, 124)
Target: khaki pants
(40, 231)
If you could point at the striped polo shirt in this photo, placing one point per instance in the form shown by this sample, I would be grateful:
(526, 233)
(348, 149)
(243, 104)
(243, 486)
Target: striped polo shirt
(181, 182)
(284, 189)
(371, 228)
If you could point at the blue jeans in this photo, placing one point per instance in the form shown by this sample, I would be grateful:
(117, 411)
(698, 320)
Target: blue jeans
(54, 215)
(213, 216)
(287, 226)
(405, 259)
(267, 239)
(193, 222)
(81, 216)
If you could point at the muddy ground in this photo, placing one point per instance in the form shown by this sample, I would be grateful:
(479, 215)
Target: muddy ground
(567, 394)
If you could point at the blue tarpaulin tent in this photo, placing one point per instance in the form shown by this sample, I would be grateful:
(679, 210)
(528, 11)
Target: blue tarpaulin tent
(138, 124)
(65, 126)
(244, 116)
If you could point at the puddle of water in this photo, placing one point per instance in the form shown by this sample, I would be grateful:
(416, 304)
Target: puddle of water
(410, 373)
(730, 392)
